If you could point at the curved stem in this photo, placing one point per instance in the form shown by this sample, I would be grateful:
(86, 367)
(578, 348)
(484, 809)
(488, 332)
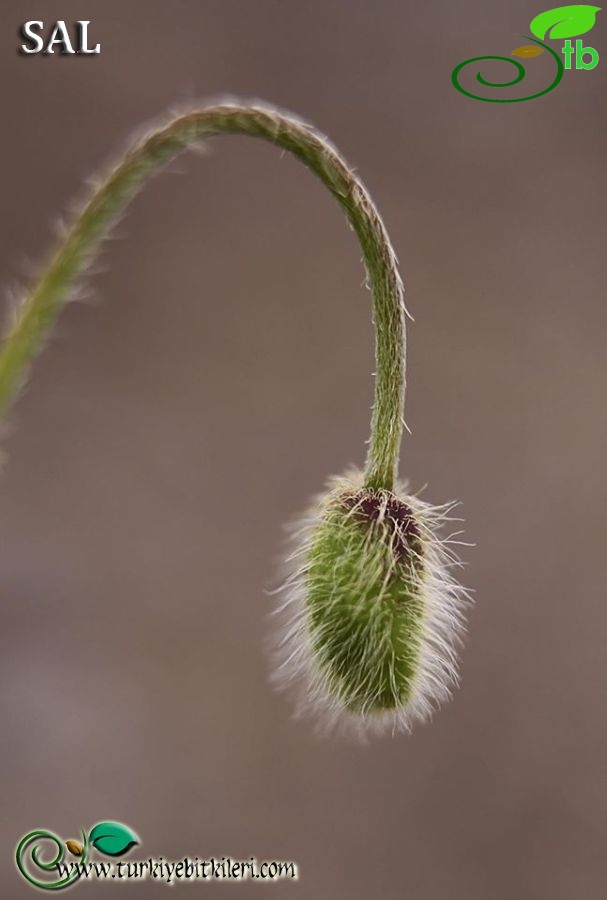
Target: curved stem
(42, 305)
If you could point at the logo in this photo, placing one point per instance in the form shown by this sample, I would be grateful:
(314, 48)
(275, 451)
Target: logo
(74, 860)
(554, 24)
(108, 838)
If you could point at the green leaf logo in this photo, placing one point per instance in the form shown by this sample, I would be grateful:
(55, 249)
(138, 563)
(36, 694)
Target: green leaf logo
(564, 22)
(112, 838)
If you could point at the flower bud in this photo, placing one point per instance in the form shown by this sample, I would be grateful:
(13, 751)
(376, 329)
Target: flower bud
(370, 612)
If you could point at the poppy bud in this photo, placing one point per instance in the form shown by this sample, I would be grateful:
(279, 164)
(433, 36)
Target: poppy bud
(370, 614)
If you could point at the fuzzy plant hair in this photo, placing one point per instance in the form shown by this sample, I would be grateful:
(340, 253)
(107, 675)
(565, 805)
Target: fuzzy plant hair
(369, 613)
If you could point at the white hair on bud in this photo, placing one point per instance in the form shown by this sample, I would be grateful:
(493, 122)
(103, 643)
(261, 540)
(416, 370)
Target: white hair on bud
(444, 603)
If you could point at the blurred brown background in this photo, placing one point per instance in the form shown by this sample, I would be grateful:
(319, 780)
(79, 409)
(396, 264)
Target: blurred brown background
(222, 369)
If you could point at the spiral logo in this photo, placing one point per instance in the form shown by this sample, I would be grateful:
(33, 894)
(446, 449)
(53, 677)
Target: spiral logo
(41, 855)
(562, 22)
(38, 871)
(520, 74)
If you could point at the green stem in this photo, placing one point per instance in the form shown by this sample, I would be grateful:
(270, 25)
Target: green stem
(41, 306)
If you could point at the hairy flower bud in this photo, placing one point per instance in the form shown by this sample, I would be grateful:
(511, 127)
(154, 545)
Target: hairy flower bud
(370, 614)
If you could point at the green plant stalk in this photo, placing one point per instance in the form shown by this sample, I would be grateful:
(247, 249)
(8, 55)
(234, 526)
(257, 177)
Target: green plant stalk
(40, 308)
